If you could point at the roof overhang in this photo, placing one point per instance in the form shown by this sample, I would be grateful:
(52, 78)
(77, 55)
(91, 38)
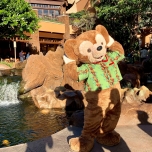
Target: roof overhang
(49, 2)
(78, 5)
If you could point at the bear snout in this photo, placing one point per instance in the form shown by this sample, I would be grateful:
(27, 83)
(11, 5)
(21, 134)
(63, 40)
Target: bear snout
(99, 48)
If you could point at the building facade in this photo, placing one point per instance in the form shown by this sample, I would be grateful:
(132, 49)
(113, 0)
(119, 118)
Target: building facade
(54, 26)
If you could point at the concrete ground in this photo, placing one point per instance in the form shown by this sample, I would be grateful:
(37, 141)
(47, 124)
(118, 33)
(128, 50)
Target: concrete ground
(135, 138)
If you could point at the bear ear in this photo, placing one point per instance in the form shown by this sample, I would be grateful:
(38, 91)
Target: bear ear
(69, 46)
(101, 29)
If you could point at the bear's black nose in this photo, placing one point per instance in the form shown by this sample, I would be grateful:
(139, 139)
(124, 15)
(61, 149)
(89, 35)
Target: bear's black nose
(99, 48)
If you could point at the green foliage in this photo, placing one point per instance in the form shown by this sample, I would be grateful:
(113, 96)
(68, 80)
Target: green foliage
(16, 18)
(10, 64)
(77, 15)
(124, 19)
(46, 18)
(94, 2)
(83, 21)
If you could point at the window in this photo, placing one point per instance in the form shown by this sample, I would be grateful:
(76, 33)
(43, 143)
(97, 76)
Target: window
(45, 12)
(51, 13)
(39, 12)
(56, 13)
(38, 5)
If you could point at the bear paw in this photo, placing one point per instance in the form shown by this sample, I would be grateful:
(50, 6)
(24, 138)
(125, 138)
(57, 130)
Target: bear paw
(110, 139)
(81, 144)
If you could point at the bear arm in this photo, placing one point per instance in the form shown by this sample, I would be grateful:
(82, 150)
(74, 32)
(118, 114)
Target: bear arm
(71, 70)
(116, 46)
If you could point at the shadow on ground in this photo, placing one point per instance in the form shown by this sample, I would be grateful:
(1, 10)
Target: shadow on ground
(122, 146)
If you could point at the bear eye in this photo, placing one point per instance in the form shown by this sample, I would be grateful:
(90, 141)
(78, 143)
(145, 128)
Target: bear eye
(89, 50)
(101, 43)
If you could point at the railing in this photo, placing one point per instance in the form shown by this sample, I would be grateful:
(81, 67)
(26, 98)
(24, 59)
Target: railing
(49, 18)
(53, 41)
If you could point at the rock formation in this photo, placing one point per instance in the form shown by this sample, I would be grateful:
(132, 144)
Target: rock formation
(135, 96)
(44, 75)
(5, 70)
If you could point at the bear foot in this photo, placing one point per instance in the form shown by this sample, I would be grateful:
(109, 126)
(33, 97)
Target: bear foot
(81, 144)
(110, 139)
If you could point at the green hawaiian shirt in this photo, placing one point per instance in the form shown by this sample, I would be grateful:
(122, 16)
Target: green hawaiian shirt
(102, 75)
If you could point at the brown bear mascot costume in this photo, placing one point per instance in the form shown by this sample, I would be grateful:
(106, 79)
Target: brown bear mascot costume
(92, 58)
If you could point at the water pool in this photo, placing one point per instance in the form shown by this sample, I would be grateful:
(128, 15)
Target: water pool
(21, 122)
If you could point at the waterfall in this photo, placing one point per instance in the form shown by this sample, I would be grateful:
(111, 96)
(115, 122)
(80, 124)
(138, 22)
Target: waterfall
(8, 92)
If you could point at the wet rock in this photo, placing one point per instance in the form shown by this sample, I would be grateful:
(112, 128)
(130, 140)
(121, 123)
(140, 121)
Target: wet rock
(59, 98)
(4, 67)
(5, 70)
(48, 100)
(20, 65)
(26, 98)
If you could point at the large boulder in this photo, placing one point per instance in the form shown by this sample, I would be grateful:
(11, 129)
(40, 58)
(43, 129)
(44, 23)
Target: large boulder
(60, 98)
(20, 65)
(136, 114)
(4, 67)
(42, 72)
(135, 96)
(5, 70)
(40, 77)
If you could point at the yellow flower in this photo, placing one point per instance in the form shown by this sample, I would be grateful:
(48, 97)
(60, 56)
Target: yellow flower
(5, 142)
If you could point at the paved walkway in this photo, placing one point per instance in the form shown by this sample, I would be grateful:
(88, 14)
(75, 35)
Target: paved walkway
(135, 138)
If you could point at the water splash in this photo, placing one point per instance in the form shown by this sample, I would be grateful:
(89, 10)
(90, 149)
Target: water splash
(8, 93)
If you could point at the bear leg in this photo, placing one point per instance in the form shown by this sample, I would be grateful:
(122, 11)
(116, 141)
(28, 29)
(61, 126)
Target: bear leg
(92, 120)
(110, 139)
(107, 135)
(81, 144)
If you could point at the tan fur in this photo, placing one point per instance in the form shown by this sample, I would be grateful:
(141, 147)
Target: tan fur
(101, 29)
(70, 49)
(103, 108)
(117, 46)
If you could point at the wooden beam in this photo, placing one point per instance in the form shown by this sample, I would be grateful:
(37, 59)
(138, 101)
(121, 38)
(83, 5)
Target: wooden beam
(50, 35)
(46, 2)
(48, 42)
(41, 42)
(46, 8)
(24, 41)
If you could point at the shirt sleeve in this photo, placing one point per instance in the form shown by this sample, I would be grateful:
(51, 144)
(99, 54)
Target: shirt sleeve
(116, 56)
(83, 72)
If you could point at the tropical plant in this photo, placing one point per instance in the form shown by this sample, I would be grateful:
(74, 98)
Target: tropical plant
(124, 19)
(83, 21)
(94, 3)
(17, 18)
